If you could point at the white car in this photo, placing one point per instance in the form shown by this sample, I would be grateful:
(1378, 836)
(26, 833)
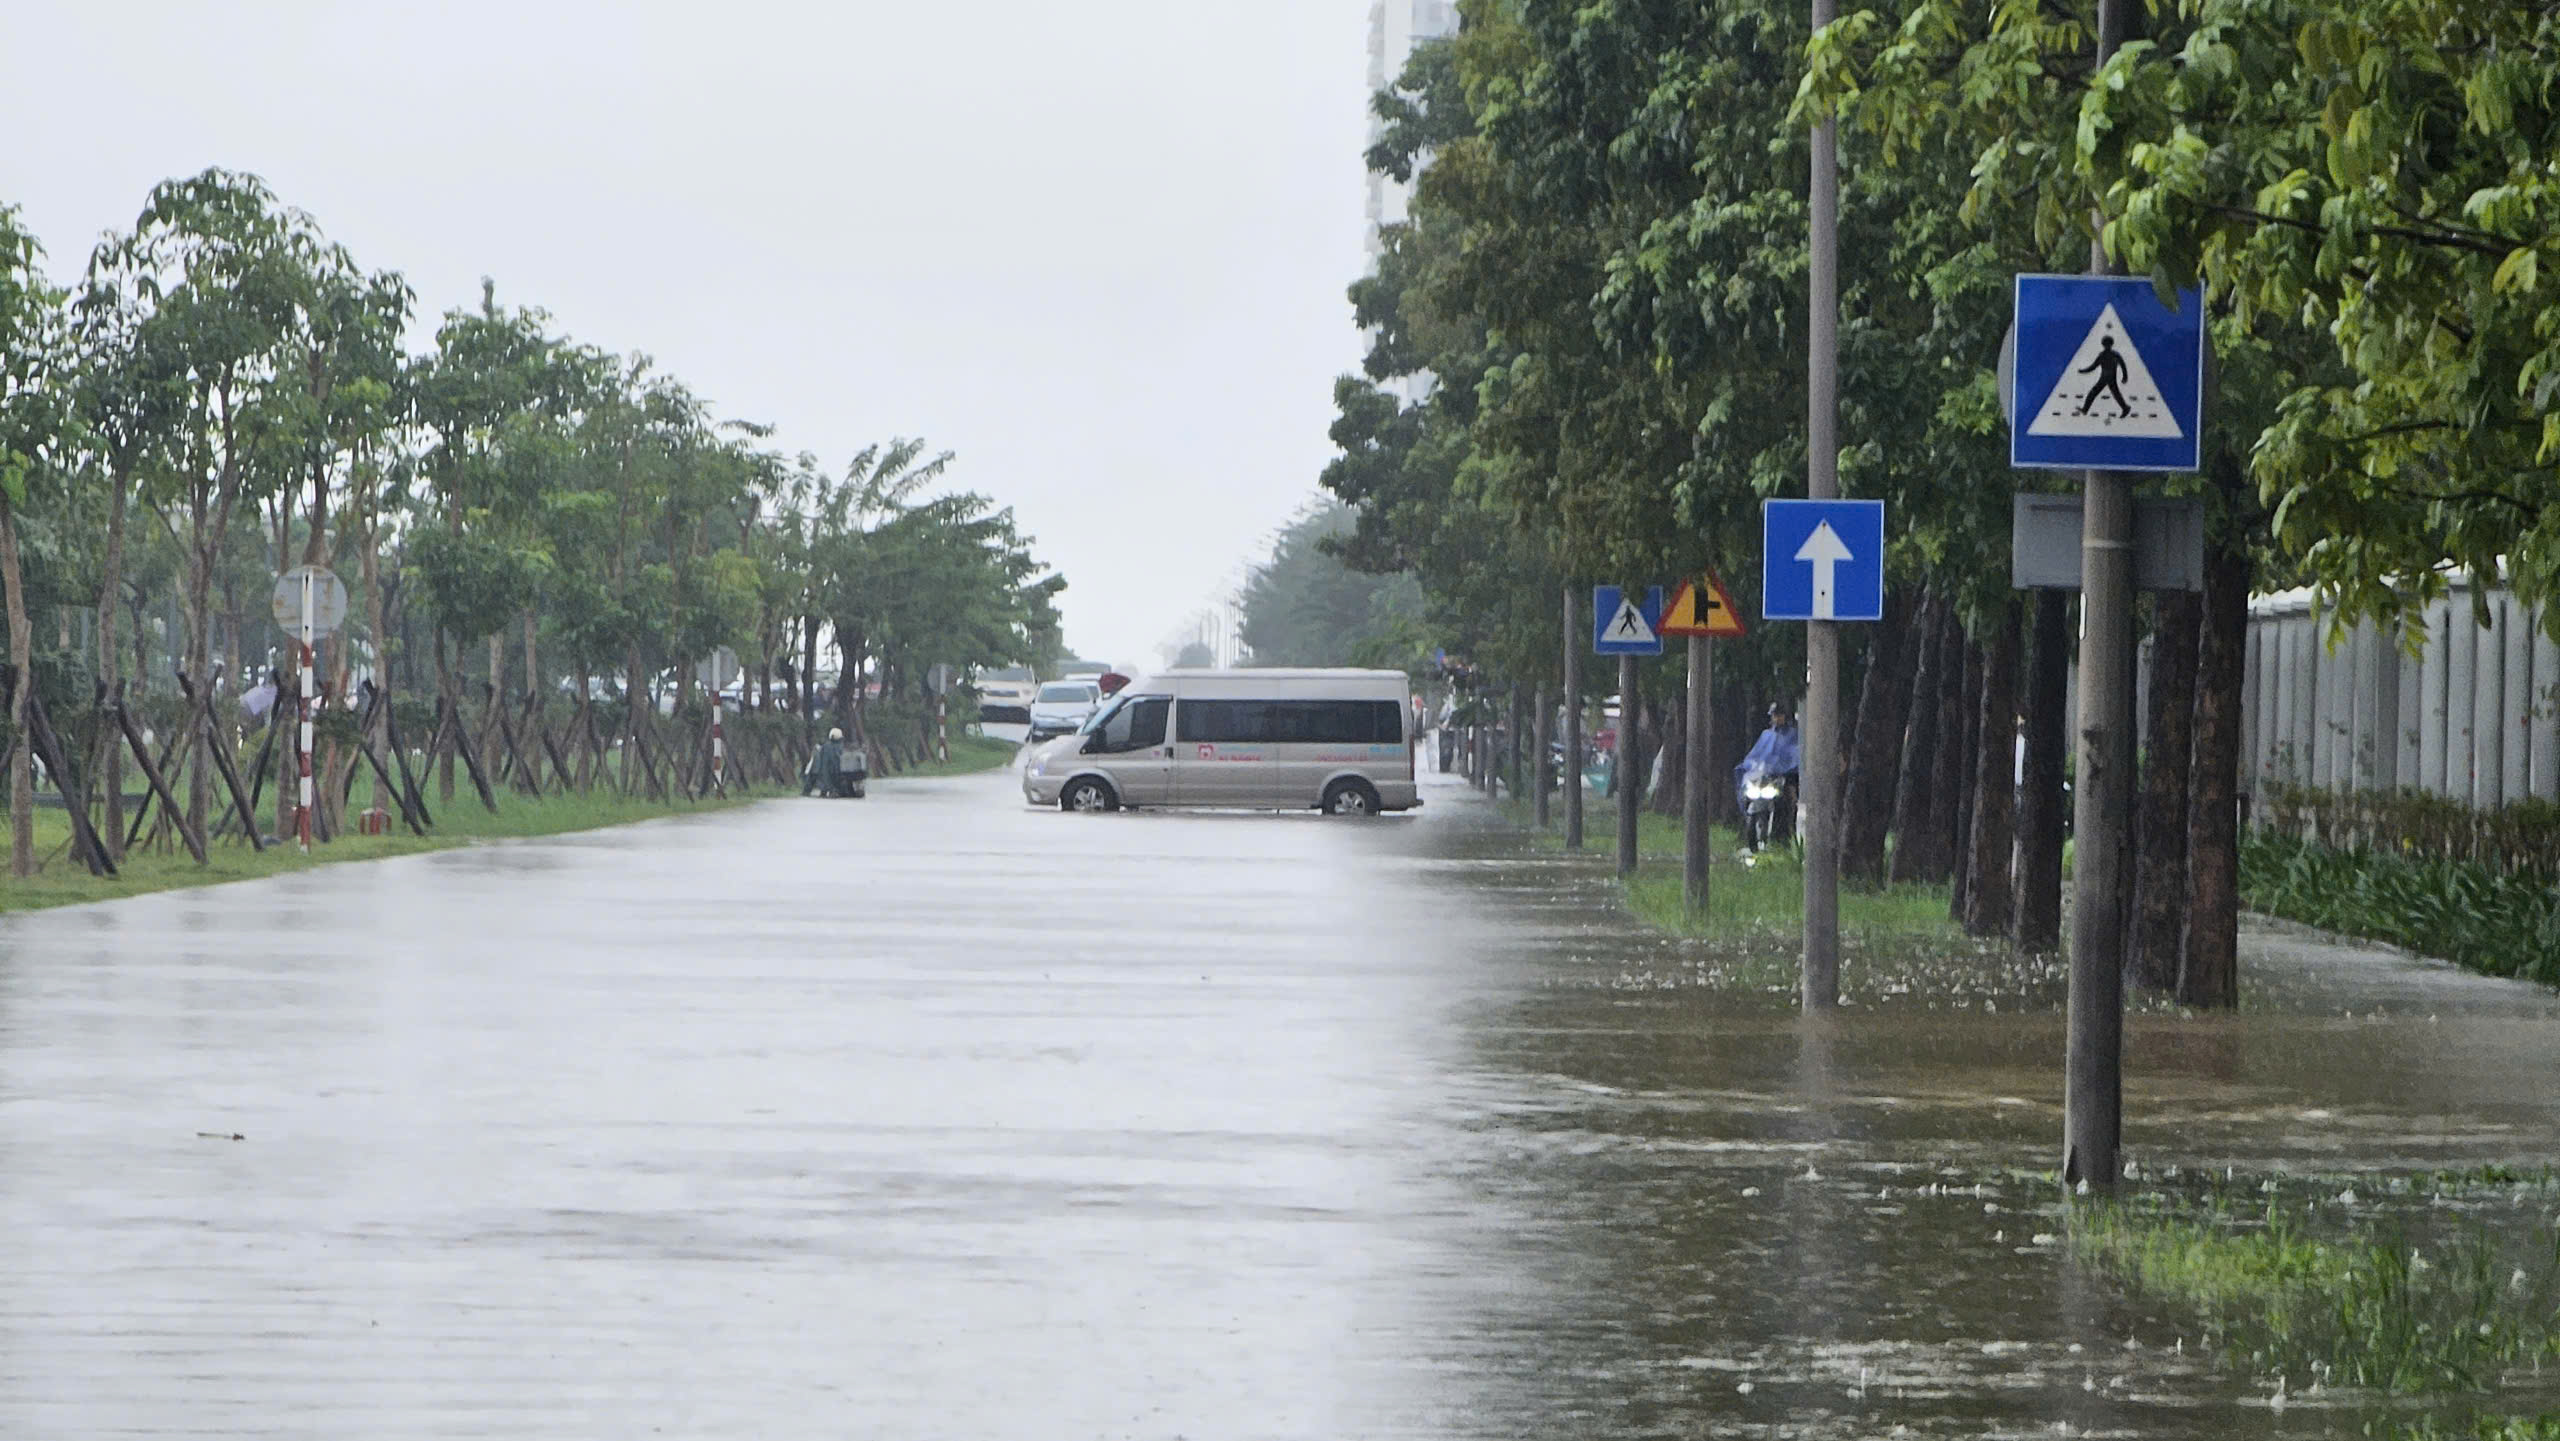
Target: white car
(1062, 707)
(1005, 694)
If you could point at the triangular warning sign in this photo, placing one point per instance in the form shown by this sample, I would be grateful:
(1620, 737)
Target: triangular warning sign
(1703, 609)
(2106, 390)
(1629, 626)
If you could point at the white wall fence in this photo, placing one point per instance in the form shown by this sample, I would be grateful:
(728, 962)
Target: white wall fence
(2475, 717)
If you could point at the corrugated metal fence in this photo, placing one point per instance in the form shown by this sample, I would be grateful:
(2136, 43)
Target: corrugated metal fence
(2474, 717)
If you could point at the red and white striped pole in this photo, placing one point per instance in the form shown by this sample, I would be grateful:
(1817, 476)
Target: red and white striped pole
(942, 724)
(719, 749)
(302, 735)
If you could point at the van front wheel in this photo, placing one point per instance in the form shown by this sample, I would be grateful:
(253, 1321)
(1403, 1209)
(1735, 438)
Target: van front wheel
(1350, 798)
(1088, 795)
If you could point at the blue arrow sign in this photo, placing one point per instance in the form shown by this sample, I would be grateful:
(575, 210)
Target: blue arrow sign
(1622, 624)
(2107, 377)
(1822, 560)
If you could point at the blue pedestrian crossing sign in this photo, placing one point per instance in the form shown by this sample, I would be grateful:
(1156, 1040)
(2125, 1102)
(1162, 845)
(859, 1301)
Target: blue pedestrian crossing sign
(2107, 377)
(1624, 624)
(1822, 560)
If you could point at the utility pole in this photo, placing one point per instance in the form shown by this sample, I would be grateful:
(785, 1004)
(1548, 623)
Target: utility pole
(1630, 785)
(1693, 800)
(2093, 1109)
(1572, 719)
(1821, 760)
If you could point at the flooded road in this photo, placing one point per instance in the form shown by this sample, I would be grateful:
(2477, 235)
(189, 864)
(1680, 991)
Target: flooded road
(932, 1116)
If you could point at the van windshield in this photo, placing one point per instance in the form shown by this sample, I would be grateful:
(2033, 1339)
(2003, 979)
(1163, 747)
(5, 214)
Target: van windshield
(1102, 717)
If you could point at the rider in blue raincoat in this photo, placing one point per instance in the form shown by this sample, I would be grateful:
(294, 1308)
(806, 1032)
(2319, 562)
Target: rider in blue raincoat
(1776, 753)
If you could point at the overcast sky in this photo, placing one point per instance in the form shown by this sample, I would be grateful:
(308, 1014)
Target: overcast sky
(1096, 248)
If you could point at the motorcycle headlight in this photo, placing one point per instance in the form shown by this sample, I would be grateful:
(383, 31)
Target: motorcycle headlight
(1761, 791)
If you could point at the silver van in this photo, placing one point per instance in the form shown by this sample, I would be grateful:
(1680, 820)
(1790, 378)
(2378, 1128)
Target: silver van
(1339, 741)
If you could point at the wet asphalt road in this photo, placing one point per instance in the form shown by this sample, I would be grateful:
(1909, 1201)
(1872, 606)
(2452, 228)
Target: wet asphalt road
(934, 1116)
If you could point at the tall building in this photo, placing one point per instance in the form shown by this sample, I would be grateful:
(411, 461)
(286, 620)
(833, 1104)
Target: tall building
(1395, 28)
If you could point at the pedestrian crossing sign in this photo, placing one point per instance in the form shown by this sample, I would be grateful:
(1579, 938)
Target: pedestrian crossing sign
(2106, 376)
(1626, 622)
(1702, 607)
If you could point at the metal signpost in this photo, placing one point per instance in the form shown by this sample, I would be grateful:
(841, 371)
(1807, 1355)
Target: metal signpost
(2108, 378)
(310, 603)
(1628, 627)
(1701, 611)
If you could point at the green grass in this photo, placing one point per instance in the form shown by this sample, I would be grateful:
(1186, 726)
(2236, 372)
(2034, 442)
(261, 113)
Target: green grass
(1759, 899)
(2460, 911)
(2395, 1291)
(970, 754)
(461, 821)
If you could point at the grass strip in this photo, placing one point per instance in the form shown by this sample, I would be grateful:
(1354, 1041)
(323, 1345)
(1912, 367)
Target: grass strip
(970, 754)
(1746, 899)
(459, 822)
(2473, 915)
(2372, 1292)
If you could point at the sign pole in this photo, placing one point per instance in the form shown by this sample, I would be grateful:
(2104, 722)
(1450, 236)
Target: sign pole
(1693, 805)
(719, 749)
(2093, 1103)
(1572, 720)
(302, 733)
(1630, 785)
(1821, 750)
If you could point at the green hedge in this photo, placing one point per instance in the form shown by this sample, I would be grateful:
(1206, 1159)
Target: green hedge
(2492, 919)
(2521, 839)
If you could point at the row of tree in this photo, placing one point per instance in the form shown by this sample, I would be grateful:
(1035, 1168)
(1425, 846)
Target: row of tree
(1601, 296)
(526, 523)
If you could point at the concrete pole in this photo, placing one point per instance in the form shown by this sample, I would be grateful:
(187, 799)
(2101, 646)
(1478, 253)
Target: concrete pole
(1630, 784)
(1819, 796)
(1693, 801)
(2102, 804)
(1572, 719)
(303, 684)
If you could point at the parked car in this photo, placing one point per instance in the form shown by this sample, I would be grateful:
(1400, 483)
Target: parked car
(1062, 707)
(1005, 694)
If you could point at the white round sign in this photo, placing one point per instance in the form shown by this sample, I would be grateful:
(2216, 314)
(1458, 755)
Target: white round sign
(328, 600)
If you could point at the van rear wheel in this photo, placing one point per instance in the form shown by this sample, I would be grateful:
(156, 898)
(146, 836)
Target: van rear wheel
(1350, 798)
(1087, 795)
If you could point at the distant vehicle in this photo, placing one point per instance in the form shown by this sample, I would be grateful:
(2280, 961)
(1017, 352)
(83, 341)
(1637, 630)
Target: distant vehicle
(1062, 707)
(1005, 694)
(1338, 741)
(1070, 669)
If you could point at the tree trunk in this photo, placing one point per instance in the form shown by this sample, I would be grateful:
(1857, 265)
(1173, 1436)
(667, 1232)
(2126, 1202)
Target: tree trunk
(110, 755)
(1950, 789)
(22, 690)
(1959, 897)
(2040, 804)
(1915, 844)
(1990, 890)
(442, 760)
(2160, 881)
(2210, 972)
(1866, 796)
(1542, 765)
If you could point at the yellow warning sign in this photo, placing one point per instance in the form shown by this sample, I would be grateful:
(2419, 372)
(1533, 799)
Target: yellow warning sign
(1702, 608)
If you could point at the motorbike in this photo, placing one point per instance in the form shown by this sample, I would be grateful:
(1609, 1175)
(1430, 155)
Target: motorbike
(1767, 810)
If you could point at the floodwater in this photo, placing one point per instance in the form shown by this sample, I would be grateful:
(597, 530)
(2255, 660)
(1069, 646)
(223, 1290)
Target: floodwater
(933, 1116)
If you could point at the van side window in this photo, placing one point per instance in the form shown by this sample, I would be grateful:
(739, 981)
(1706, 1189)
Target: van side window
(1316, 722)
(1136, 726)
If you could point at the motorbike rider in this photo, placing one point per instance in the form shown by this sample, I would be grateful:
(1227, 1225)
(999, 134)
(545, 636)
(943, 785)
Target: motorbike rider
(1777, 754)
(828, 774)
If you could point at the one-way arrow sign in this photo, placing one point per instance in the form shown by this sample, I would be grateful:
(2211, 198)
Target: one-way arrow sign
(1822, 560)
